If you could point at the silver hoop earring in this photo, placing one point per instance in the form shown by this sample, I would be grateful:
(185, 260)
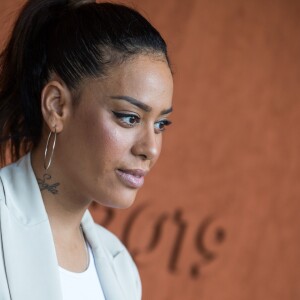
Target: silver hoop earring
(46, 166)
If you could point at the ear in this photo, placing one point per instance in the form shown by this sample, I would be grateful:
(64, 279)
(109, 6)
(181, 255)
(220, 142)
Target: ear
(56, 104)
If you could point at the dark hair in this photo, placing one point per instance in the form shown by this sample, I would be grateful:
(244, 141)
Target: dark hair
(73, 41)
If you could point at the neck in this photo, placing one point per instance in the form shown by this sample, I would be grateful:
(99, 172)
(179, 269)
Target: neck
(65, 208)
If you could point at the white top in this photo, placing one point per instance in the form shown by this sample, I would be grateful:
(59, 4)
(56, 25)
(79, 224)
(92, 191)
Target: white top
(81, 286)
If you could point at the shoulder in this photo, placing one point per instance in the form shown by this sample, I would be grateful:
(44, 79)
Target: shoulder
(20, 193)
(14, 167)
(7, 175)
(14, 175)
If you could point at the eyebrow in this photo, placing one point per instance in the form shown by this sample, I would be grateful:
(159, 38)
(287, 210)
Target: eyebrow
(166, 111)
(140, 104)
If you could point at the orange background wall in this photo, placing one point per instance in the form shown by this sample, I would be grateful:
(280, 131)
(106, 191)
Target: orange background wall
(219, 218)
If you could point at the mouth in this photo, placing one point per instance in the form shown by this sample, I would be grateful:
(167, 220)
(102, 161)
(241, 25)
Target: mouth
(131, 178)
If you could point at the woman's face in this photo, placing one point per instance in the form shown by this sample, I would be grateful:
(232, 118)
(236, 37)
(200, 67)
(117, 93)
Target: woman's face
(113, 137)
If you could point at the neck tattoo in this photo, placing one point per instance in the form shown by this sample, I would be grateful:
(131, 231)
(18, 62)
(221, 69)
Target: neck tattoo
(50, 187)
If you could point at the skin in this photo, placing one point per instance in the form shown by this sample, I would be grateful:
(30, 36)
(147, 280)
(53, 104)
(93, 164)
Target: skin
(95, 139)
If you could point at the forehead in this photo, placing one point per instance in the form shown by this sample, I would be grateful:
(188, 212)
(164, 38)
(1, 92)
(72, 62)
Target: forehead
(146, 78)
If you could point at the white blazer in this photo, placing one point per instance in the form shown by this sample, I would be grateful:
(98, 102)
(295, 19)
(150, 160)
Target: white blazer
(28, 262)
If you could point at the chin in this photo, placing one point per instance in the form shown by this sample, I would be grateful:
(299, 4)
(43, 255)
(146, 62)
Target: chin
(121, 201)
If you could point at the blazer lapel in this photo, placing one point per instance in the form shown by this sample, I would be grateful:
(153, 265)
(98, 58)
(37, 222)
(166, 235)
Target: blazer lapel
(30, 262)
(28, 247)
(104, 262)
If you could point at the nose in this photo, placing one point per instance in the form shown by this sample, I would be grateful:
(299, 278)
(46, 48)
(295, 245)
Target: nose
(147, 145)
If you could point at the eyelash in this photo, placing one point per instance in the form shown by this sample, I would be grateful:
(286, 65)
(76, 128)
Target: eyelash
(164, 123)
(123, 116)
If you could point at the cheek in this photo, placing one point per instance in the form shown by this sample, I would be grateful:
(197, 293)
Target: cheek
(107, 140)
(112, 141)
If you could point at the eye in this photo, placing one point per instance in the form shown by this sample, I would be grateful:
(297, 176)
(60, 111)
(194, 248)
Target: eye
(160, 126)
(129, 120)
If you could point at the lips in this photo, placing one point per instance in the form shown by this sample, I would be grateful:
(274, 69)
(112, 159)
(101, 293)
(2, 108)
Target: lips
(131, 178)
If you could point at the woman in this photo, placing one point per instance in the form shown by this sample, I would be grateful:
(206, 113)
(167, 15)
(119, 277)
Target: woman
(85, 93)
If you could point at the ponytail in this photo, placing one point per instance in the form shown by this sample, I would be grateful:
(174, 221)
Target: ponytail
(23, 72)
(75, 40)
